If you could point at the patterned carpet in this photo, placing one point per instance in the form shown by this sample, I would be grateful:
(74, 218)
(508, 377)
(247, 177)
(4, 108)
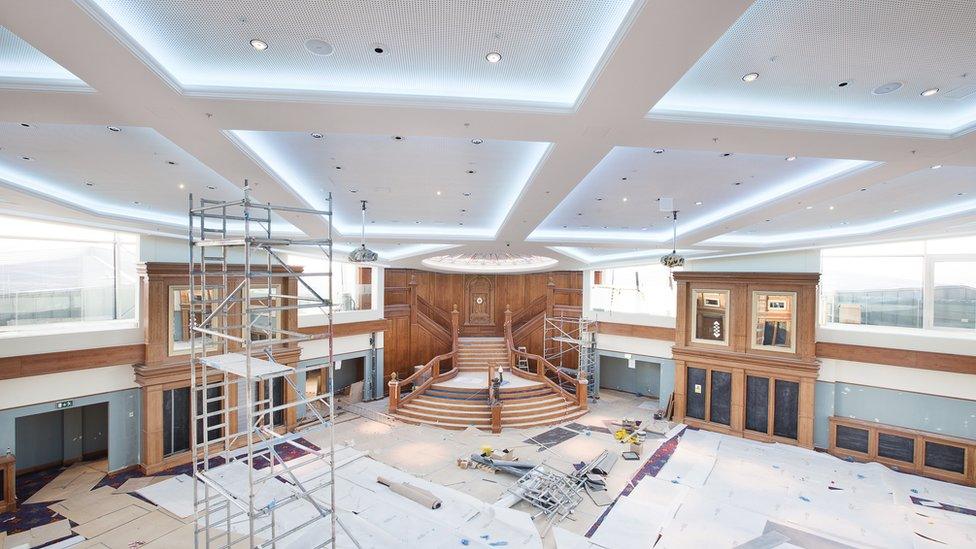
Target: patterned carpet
(37, 514)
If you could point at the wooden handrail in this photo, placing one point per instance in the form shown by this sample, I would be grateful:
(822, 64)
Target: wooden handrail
(441, 317)
(542, 365)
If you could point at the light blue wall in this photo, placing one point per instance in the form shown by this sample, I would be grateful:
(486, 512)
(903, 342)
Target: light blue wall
(936, 414)
(665, 385)
(124, 419)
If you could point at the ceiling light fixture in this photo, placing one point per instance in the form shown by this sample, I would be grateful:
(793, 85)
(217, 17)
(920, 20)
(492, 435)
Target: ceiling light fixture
(317, 46)
(258, 44)
(809, 207)
(466, 194)
(830, 208)
(751, 77)
(625, 199)
(25, 124)
(182, 186)
(114, 128)
(477, 141)
(658, 151)
(493, 57)
(930, 92)
(937, 166)
(790, 158)
(398, 138)
(211, 187)
(471, 171)
(699, 203)
(316, 135)
(438, 193)
(885, 89)
(362, 254)
(672, 259)
(89, 184)
(27, 158)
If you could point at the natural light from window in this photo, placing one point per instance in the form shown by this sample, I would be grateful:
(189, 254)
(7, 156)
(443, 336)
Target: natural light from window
(352, 288)
(53, 274)
(923, 284)
(645, 289)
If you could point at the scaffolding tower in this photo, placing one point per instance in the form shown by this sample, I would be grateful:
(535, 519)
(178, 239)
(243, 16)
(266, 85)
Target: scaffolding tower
(244, 489)
(569, 343)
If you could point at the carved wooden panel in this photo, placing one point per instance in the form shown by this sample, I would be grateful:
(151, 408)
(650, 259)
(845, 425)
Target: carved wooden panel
(478, 298)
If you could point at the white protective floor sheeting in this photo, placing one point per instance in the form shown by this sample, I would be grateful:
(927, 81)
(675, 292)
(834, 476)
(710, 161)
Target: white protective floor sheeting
(720, 491)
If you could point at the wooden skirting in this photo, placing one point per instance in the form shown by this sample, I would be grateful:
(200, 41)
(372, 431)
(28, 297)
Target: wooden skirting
(635, 330)
(350, 328)
(67, 361)
(960, 364)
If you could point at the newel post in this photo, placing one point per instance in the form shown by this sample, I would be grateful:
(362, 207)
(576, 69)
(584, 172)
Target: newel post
(496, 417)
(394, 392)
(455, 333)
(412, 296)
(582, 385)
(508, 330)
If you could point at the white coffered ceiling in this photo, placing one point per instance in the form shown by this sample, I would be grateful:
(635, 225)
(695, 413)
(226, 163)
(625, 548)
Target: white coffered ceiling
(556, 134)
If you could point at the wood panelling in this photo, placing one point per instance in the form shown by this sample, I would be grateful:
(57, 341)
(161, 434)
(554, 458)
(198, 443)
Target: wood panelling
(349, 328)
(412, 341)
(66, 361)
(960, 364)
(737, 357)
(634, 330)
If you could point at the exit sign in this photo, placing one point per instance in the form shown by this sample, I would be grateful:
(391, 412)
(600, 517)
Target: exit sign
(64, 404)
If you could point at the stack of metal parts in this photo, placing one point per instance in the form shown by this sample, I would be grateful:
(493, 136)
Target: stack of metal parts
(555, 494)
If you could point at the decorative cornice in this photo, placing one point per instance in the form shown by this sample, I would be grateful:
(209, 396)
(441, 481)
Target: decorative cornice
(67, 361)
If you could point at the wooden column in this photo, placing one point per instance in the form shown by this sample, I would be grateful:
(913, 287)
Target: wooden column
(394, 386)
(8, 483)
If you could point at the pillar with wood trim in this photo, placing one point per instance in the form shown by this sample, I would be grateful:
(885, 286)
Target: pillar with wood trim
(394, 386)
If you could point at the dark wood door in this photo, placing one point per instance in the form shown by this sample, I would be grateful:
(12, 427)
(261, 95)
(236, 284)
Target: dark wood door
(479, 302)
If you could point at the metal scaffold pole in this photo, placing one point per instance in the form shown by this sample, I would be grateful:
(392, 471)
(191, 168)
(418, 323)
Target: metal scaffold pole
(240, 290)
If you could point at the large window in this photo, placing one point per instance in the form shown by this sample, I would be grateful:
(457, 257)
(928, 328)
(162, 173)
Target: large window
(351, 284)
(642, 290)
(924, 284)
(52, 274)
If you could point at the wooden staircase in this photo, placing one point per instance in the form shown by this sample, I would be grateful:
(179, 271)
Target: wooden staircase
(523, 404)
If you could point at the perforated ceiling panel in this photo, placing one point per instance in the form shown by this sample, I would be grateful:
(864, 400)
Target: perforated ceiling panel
(919, 197)
(418, 186)
(22, 65)
(548, 48)
(822, 60)
(134, 173)
(618, 198)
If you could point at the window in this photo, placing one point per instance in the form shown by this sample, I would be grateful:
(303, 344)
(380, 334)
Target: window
(57, 274)
(352, 288)
(644, 290)
(923, 284)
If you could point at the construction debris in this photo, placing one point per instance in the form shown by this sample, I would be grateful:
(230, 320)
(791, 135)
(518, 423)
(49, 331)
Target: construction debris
(555, 494)
(517, 468)
(413, 493)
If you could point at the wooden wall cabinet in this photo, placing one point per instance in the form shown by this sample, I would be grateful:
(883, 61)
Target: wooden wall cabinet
(166, 367)
(744, 354)
(941, 457)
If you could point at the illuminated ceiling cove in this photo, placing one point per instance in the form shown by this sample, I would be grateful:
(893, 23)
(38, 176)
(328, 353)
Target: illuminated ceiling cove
(23, 66)
(540, 52)
(618, 199)
(414, 186)
(882, 65)
(123, 172)
(490, 262)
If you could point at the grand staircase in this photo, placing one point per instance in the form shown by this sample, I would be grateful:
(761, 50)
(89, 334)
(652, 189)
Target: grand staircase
(462, 402)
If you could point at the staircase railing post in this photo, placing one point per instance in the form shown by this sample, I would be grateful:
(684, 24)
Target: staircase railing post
(509, 337)
(582, 385)
(394, 392)
(455, 333)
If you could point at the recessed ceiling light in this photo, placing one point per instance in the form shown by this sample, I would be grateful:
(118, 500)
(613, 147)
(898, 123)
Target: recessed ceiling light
(625, 199)
(843, 84)
(809, 207)
(464, 210)
(89, 184)
(438, 193)
(338, 167)
(171, 162)
(136, 202)
(493, 57)
(658, 151)
(477, 141)
(598, 199)
(27, 158)
(471, 171)
(623, 179)
(258, 44)
(790, 158)
(317, 46)
(960, 194)
(751, 77)
(417, 222)
(699, 203)
(830, 208)
(930, 92)
(937, 166)
(114, 129)
(25, 124)
(895, 211)
(398, 138)
(863, 189)
(378, 49)
(316, 135)
(884, 89)
(737, 183)
(354, 191)
(466, 194)
(843, 222)
(211, 187)
(182, 186)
